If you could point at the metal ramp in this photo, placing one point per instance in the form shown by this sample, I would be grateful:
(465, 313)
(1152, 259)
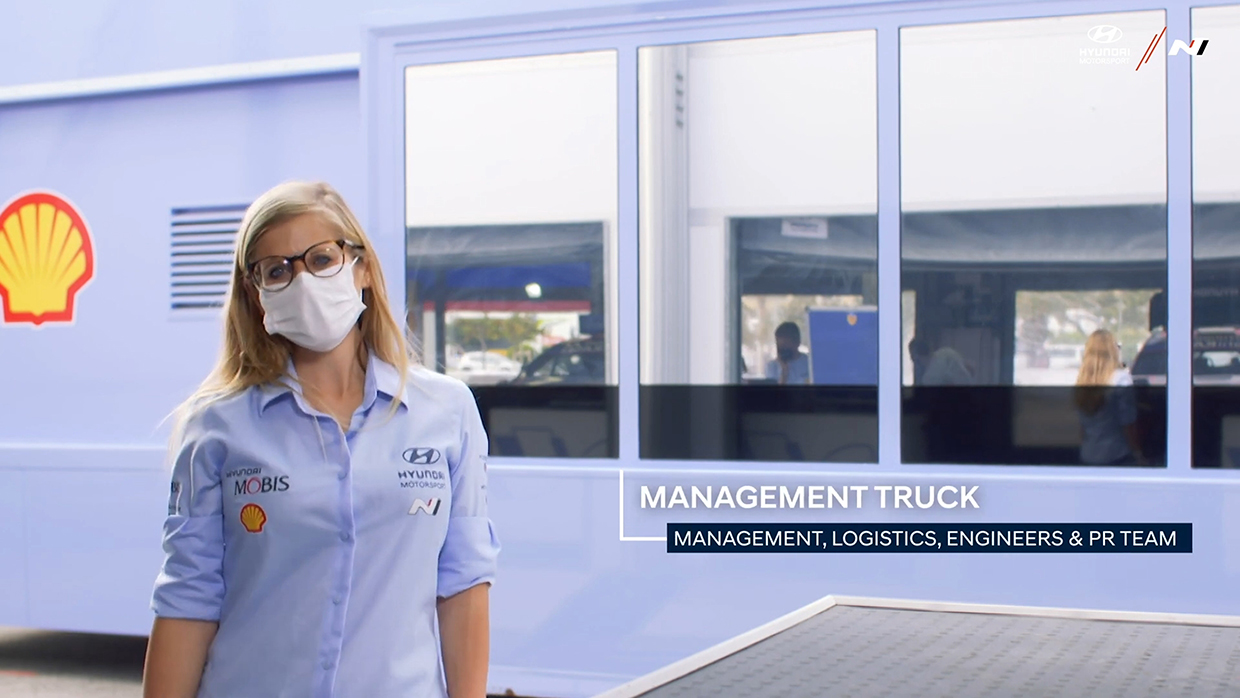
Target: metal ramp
(861, 647)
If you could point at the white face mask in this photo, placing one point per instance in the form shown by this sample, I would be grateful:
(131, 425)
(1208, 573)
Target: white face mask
(313, 312)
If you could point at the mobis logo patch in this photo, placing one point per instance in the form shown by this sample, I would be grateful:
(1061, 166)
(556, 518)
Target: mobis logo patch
(259, 485)
(252, 481)
(430, 506)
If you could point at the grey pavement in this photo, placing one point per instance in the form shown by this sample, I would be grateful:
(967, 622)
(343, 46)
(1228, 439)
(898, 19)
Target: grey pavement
(39, 664)
(868, 652)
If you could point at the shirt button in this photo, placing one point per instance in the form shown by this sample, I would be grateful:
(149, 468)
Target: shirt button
(337, 599)
(343, 475)
(344, 536)
(327, 663)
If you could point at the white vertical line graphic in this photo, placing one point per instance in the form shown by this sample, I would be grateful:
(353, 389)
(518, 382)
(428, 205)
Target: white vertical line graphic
(659, 539)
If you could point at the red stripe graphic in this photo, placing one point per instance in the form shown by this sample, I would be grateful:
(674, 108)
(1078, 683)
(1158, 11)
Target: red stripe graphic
(1149, 51)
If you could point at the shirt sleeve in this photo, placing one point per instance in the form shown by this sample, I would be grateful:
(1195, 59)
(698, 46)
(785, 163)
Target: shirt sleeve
(470, 551)
(191, 583)
(802, 374)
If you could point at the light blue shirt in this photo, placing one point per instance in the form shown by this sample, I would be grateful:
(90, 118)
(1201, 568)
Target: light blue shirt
(321, 553)
(798, 369)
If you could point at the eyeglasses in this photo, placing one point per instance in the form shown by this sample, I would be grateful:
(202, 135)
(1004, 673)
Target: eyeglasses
(323, 260)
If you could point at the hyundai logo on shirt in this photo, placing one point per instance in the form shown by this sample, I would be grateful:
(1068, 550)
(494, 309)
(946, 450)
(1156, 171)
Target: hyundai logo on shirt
(434, 479)
(421, 456)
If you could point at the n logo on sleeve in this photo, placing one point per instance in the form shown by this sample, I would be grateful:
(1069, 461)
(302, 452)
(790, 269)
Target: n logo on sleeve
(430, 506)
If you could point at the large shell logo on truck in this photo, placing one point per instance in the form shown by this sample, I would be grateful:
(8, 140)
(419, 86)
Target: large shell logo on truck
(45, 258)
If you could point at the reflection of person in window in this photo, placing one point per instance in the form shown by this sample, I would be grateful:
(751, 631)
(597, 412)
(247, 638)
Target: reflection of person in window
(944, 366)
(1104, 396)
(790, 365)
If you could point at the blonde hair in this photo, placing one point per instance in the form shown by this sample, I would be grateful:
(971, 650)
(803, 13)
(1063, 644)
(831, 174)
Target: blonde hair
(1098, 365)
(250, 356)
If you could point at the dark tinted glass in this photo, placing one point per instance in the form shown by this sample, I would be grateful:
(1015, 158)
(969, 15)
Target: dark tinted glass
(759, 272)
(518, 310)
(1216, 240)
(1216, 336)
(1029, 275)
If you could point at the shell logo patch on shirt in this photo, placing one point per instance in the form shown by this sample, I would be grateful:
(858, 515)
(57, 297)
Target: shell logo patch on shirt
(253, 518)
(46, 257)
(430, 506)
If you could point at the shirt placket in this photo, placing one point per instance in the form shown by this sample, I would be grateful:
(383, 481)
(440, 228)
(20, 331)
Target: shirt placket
(342, 575)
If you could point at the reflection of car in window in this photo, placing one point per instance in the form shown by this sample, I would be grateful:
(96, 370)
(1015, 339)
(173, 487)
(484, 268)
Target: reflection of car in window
(579, 361)
(1216, 357)
(1064, 355)
(484, 368)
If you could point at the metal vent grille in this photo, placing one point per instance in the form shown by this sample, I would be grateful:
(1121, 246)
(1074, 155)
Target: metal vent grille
(202, 255)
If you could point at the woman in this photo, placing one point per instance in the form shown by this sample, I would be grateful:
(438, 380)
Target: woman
(328, 502)
(1104, 395)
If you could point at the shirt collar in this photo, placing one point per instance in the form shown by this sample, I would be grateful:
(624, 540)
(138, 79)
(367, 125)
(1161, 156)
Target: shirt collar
(381, 378)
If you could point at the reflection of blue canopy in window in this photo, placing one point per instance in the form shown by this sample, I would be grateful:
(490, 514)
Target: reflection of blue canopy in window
(770, 261)
(503, 245)
(1216, 233)
(547, 276)
(1105, 235)
(849, 241)
(523, 268)
(1134, 236)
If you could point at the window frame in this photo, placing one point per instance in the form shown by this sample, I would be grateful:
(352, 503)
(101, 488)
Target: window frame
(395, 44)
